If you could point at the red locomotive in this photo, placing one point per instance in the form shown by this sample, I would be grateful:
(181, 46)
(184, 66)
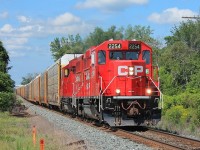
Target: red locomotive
(114, 82)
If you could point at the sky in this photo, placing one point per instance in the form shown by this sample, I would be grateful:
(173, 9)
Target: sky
(27, 27)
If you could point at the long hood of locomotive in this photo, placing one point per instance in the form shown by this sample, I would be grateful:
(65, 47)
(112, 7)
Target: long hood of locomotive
(128, 77)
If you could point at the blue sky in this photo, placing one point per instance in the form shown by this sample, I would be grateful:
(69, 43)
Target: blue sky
(28, 26)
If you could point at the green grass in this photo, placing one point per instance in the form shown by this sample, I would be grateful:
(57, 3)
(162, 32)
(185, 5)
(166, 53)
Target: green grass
(16, 134)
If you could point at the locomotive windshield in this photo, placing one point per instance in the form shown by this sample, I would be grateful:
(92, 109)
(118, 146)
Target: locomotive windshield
(146, 56)
(124, 55)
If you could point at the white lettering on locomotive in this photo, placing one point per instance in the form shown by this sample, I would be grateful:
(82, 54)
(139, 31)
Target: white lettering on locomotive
(78, 78)
(138, 69)
(87, 74)
(123, 70)
(87, 86)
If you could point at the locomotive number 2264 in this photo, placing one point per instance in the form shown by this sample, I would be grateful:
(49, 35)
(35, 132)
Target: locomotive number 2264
(114, 46)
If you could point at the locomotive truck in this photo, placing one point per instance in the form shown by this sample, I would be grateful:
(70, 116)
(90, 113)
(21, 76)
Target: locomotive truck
(114, 83)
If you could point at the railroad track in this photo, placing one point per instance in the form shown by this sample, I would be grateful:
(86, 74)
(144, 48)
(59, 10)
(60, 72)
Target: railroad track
(146, 140)
(162, 140)
(172, 139)
(150, 137)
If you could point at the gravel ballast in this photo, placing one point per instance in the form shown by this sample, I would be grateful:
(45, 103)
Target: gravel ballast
(93, 138)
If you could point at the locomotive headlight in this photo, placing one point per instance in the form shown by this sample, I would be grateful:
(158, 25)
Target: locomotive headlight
(131, 70)
(117, 91)
(148, 91)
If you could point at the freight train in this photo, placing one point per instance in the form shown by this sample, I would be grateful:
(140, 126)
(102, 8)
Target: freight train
(114, 83)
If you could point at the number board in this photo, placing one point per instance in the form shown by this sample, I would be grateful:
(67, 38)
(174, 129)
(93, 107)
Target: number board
(134, 46)
(114, 46)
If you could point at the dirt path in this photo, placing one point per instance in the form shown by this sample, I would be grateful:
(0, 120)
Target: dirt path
(57, 138)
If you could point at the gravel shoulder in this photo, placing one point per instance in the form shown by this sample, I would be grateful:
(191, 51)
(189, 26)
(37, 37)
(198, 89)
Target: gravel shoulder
(70, 134)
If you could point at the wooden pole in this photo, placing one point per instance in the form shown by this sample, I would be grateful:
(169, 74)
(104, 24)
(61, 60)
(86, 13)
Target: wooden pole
(42, 144)
(34, 135)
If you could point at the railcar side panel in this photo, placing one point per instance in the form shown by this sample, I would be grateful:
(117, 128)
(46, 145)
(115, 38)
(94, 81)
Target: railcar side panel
(54, 84)
(43, 88)
(36, 89)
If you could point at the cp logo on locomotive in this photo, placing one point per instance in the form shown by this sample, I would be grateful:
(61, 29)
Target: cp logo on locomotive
(123, 70)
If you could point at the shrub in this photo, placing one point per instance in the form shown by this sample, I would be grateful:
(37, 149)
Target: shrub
(7, 99)
(177, 115)
(6, 84)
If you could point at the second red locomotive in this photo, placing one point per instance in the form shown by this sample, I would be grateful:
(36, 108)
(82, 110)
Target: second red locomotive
(114, 82)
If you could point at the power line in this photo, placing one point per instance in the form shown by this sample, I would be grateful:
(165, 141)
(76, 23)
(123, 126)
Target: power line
(195, 17)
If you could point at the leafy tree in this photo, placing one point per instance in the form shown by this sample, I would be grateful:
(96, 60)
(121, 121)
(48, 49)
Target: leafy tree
(180, 58)
(4, 58)
(57, 48)
(114, 33)
(188, 33)
(69, 45)
(28, 78)
(7, 99)
(143, 33)
(6, 83)
(96, 37)
(75, 44)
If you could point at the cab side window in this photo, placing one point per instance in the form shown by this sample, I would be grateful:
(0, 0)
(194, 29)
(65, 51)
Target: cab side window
(146, 56)
(101, 57)
(66, 72)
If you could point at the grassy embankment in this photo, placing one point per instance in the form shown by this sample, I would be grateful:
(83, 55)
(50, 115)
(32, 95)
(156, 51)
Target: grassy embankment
(16, 134)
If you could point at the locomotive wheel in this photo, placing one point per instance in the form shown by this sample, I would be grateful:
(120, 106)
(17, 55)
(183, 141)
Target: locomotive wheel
(98, 123)
(74, 114)
(106, 125)
(113, 129)
(50, 107)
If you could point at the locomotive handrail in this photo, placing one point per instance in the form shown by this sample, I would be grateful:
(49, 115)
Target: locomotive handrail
(161, 95)
(101, 99)
(78, 89)
(100, 94)
(108, 85)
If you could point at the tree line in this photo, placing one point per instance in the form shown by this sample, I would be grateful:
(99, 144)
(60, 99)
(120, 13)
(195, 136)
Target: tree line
(77, 44)
(180, 77)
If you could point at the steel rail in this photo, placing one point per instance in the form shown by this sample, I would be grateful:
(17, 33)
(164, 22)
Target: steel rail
(149, 141)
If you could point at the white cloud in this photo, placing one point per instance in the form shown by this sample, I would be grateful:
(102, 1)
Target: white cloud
(4, 15)
(65, 19)
(26, 28)
(16, 41)
(80, 28)
(23, 19)
(109, 5)
(65, 23)
(171, 15)
(16, 46)
(18, 38)
(13, 53)
(7, 28)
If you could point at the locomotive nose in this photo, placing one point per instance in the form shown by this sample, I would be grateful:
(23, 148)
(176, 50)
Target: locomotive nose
(130, 78)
